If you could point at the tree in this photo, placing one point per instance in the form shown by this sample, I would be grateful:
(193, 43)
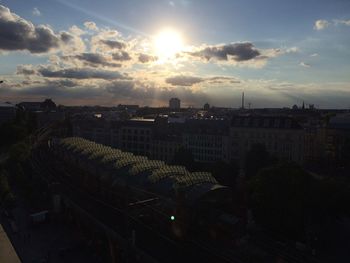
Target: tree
(19, 152)
(7, 199)
(281, 197)
(10, 133)
(256, 159)
(225, 173)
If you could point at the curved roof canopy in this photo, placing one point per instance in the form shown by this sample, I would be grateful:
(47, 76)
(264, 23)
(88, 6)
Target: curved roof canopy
(138, 171)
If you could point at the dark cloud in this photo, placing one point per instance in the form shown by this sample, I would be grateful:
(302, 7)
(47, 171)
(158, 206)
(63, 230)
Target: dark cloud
(93, 59)
(235, 51)
(124, 88)
(113, 44)
(66, 37)
(183, 80)
(144, 94)
(121, 56)
(17, 33)
(80, 73)
(112, 92)
(144, 58)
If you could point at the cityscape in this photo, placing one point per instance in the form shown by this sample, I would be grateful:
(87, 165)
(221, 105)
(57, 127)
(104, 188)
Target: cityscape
(156, 132)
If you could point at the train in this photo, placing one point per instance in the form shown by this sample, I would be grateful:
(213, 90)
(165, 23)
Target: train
(180, 203)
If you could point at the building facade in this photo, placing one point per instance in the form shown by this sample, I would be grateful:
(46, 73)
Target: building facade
(209, 140)
(7, 112)
(282, 137)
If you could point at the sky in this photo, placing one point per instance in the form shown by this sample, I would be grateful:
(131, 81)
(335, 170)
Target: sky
(110, 52)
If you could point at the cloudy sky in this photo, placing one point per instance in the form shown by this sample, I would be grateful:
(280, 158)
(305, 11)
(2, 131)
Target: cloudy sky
(87, 52)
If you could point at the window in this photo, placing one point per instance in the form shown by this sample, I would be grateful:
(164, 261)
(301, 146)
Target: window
(266, 123)
(277, 123)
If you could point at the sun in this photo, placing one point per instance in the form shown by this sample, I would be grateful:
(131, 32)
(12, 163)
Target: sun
(167, 43)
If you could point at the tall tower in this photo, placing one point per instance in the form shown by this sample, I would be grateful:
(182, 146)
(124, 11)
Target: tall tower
(174, 103)
(242, 100)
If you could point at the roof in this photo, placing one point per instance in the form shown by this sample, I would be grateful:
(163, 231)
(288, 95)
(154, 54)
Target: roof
(138, 171)
(7, 105)
(265, 122)
(207, 126)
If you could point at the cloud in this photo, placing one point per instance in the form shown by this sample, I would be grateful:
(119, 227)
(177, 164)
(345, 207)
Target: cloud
(314, 55)
(121, 56)
(234, 51)
(186, 80)
(321, 24)
(103, 92)
(92, 59)
(292, 50)
(222, 80)
(69, 73)
(17, 33)
(91, 25)
(305, 65)
(36, 12)
(76, 31)
(26, 70)
(181, 80)
(113, 44)
(106, 40)
(144, 58)
(80, 73)
(342, 22)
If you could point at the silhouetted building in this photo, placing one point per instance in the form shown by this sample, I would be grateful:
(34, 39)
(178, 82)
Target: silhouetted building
(207, 139)
(210, 140)
(337, 136)
(206, 106)
(46, 105)
(30, 106)
(174, 103)
(282, 137)
(7, 112)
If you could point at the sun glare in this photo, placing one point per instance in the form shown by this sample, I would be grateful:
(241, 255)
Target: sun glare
(167, 44)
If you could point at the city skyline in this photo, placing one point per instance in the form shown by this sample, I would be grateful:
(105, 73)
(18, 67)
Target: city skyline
(279, 53)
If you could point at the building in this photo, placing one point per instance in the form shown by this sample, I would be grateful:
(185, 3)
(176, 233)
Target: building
(206, 106)
(282, 137)
(47, 117)
(135, 135)
(208, 139)
(174, 104)
(337, 136)
(92, 128)
(46, 105)
(7, 112)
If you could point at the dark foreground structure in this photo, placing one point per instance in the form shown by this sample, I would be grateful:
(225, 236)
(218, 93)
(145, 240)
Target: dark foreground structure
(139, 210)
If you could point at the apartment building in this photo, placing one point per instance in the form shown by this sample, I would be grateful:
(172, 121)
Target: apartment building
(282, 137)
